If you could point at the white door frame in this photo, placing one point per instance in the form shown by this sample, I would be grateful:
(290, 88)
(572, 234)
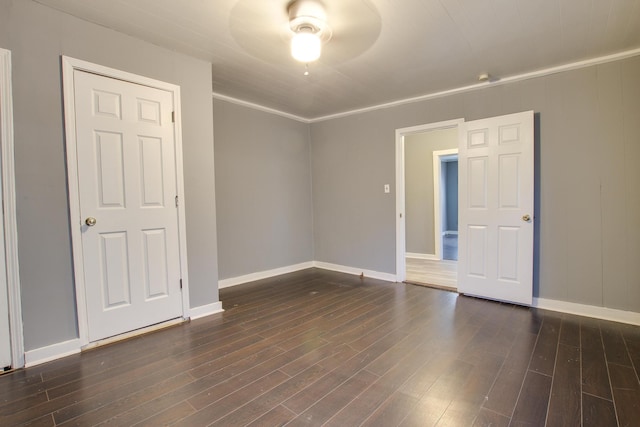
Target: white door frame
(9, 200)
(439, 208)
(401, 264)
(69, 65)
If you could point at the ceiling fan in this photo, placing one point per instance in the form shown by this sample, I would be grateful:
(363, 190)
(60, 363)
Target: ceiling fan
(298, 30)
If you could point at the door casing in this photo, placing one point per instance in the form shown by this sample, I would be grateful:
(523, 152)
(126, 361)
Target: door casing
(9, 201)
(68, 66)
(439, 208)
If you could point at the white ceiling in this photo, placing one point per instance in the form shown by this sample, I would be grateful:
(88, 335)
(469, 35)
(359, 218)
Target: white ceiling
(381, 50)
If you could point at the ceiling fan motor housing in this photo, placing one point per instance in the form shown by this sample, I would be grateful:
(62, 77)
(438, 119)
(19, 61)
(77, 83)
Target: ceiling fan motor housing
(310, 16)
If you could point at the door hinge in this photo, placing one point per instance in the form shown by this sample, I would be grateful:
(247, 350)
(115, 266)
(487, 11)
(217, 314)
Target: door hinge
(176, 201)
(180, 283)
(173, 117)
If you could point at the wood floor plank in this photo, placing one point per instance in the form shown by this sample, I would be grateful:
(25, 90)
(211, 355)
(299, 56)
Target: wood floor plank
(288, 388)
(544, 354)
(392, 411)
(595, 378)
(487, 418)
(570, 332)
(565, 404)
(597, 412)
(631, 335)
(521, 351)
(435, 401)
(433, 272)
(14, 385)
(261, 405)
(233, 355)
(390, 380)
(615, 349)
(20, 403)
(175, 413)
(467, 402)
(104, 407)
(331, 403)
(504, 394)
(627, 406)
(531, 409)
(316, 391)
(209, 396)
(278, 416)
(395, 409)
(426, 412)
(45, 421)
(232, 401)
(171, 397)
(623, 377)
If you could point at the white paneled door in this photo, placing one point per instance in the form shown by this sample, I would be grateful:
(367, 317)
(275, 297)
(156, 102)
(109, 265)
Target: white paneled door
(128, 196)
(496, 208)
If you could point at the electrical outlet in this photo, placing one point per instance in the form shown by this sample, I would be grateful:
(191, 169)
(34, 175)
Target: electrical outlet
(387, 188)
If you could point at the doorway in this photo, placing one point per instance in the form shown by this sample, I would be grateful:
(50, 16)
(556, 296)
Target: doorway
(426, 204)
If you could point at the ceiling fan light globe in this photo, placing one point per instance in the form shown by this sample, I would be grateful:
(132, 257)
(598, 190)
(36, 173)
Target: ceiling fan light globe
(306, 47)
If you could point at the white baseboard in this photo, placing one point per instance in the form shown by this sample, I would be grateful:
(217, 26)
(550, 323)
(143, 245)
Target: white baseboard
(225, 283)
(51, 352)
(205, 310)
(603, 313)
(450, 233)
(355, 271)
(416, 255)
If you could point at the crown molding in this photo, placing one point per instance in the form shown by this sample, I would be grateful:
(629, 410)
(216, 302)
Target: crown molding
(259, 107)
(483, 85)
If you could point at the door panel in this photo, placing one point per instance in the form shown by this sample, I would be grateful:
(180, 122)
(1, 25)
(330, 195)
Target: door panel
(114, 270)
(127, 182)
(155, 264)
(495, 197)
(110, 170)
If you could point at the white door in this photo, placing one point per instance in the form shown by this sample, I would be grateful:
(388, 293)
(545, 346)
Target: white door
(496, 208)
(127, 189)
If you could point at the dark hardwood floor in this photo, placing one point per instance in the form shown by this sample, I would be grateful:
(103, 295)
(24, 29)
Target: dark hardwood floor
(323, 348)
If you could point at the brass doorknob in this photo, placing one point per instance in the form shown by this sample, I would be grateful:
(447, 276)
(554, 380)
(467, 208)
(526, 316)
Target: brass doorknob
(526, 218)
(91, 221)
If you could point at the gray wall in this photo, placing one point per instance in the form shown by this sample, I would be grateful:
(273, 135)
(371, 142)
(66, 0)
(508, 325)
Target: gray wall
(588, 197)
(37, 36)
(263, 190)
(451, 195)
(418, 172)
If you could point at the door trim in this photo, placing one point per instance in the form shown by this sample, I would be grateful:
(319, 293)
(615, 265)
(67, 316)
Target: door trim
(10, 222)
(439, 157)
(401, 264)
(69, 65)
